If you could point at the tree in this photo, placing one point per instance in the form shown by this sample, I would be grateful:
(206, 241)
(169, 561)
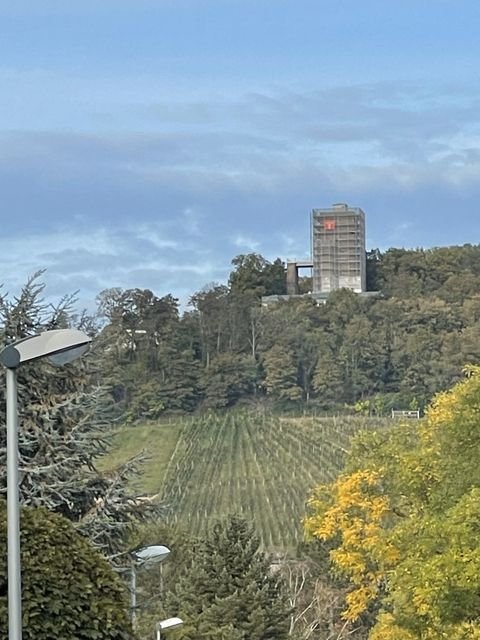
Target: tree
(255, 275)
(281, 380)
(211, 307)
(403, 521)
(227, 590)
(149, 360)
(374, 257)
(360, 358)
(64, 428)
(247, 277)
(316, 596)
(307, 351)
(69, 591)
(229, 378)
(274, 278)
(328, 377)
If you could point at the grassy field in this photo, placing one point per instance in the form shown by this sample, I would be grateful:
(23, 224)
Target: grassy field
(260, 466)
(156, 441)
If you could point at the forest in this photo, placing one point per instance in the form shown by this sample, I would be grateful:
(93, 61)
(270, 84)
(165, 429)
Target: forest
(393, 350)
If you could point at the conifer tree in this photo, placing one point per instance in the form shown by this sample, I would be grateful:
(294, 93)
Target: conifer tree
(65, 421)
(227, 589)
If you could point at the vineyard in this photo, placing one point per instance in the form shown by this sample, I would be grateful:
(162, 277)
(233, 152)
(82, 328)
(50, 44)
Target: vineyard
(257, 465)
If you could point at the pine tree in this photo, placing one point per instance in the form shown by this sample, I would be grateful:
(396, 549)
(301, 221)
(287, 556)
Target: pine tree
(227, 589)
(65, 422)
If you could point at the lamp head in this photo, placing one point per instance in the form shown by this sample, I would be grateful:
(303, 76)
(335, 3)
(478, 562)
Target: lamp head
(170, 623)
(152, 554)
(58, 345)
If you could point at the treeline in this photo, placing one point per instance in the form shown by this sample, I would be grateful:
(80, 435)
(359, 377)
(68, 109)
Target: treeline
(365, 353)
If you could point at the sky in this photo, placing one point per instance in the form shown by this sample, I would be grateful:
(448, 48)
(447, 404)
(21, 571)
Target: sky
(145, 143)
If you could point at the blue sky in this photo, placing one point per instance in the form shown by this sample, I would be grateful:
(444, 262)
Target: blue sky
(145, 143)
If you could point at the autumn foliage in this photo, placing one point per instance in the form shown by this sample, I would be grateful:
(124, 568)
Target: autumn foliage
(404, 521)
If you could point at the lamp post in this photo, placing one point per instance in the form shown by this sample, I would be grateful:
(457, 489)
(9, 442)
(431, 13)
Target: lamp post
(60, 346)
(166, 625)
(143, 557)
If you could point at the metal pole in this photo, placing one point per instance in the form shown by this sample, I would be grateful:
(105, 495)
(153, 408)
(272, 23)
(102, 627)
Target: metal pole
(13, 513)
(158, 632)
(133, 596)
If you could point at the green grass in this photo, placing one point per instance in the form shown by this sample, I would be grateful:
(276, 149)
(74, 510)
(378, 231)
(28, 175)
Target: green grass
(156, 441)
(254, 464)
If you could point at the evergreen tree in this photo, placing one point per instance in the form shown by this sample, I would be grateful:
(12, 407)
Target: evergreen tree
(69, 592)
(227, 589)
(65, 420)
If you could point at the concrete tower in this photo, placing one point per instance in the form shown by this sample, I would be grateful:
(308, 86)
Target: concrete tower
(338, 249)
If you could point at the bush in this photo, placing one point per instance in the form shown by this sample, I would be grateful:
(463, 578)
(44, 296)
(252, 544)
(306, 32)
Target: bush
(69, 591)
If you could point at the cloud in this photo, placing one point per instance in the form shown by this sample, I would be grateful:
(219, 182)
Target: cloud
(245, 242)
(192, 221)
(154, 235)
(102, 258)
(257, 138)
(387, 120)
(163, 205)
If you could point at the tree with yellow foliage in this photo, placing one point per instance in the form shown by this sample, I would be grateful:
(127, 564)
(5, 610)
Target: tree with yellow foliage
(404, 520)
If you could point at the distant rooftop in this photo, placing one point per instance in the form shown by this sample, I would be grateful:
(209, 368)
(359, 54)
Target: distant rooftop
(337, 207)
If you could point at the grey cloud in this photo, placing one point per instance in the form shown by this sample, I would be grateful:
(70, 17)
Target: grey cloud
(400, 125)
(259, 138)
(403, 121)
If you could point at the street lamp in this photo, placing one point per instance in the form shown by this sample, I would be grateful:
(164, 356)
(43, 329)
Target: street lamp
(59, 346)
(167, 625)
(144, 556)
(151, 555)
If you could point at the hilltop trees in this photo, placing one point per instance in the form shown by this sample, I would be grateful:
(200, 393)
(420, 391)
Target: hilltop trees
(395, 350)
(407, 273)
(151, 365)
(403, 522)
(255, 276)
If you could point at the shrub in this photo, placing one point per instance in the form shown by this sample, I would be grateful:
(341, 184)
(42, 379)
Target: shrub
(69, 591)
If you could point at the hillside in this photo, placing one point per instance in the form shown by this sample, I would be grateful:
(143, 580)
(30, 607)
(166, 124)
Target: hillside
(253, 464)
